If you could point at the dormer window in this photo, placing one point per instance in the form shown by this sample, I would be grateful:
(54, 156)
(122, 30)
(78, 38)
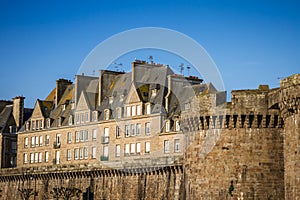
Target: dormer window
(138, 110)
(154, 92)
(168, 126)
(133, 110)
(27, 126)
(48, 123)
(106, 114)
(177, 125)
(95, 115)
(128, 111)
(70, 120)
(148, 109)
(59, 121)
(187, 106)
(119, 112)
(33, 125)
(111, 99)
(87, 117)
(72, 105)
(121, 98)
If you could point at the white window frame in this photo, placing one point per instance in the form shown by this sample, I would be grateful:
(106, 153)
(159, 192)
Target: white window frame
(166, 146)
(94, 152)
(94, 134)
(127, 130)
(26, 142)
(86, 152)
(133, 110)
(177, 125)
(138, 129)
(147, 128)
(41, 140)
(127, 149)
(76, 154)
(147, 147)
(32, 141)
(148, 108)
(25, 158)
(46, 156)
(138, 110)
(138, 148)
(68, 154)
(132, 148)
(69, 137)
(128, 111)
(168, 125)
(40, 157)
(47, 140)
(118, 150)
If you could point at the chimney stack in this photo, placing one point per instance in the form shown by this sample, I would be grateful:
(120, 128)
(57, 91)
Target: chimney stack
(61, 86)
(18, 110)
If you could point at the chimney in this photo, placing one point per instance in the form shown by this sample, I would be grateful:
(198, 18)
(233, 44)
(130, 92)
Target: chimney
(61, 86)
(18, 110)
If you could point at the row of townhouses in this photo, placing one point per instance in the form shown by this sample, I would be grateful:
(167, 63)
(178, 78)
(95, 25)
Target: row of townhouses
(116, 120)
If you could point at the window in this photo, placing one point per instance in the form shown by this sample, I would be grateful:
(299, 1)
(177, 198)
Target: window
(94, 134)
(68, 154)
(48, 123)
(127, 133)
(63, 107)
(119, 113)
(147, 147)
(176, 145)
(106, 114)
(167, 126)
(69, 139)
(105, 152)
(41, 124)
(59, 121)
(177, 125)
(32, 158)
(86, 135)
(57, 157)
(41, 140)
(128, 111)
(132, 148)
(57, 139)
(138, 129)
(187, 106)
(87, 117)
(77, 118)
(138, 110)
(93, 152)
(127, 149)
(36, 157)
(40, 157)
(47, 141)
(82, 117)
(76, 154)
(70, 120)
(118, 132)
(33, 125)
(81, 136)
(25, 142)
(37, 124)
(147, 128)
(118, 150)
(37, 140)
(32, 141)
(80, 153)
(27, 126)
(76, 136)
(106, 135)
(148, 109)
(86, 152)
(25, 158)
(95, 116)
(166, 146)
(133, 110)
(46, 156)
(138, 148)
(132, 129)
(154, 92)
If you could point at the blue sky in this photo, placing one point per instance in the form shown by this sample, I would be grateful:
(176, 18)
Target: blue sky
(251, 42)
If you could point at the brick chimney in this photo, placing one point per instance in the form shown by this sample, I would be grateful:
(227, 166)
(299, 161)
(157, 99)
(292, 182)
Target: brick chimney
(18, 110)
(61, 86)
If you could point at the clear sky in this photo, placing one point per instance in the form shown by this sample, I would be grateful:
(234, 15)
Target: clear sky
(252, 42)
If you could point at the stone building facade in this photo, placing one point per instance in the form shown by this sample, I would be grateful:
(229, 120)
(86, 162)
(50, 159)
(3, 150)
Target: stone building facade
(152, 134)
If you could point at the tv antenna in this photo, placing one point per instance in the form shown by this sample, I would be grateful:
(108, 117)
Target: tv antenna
(188, 68)
(181, 68)
(117, 65)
